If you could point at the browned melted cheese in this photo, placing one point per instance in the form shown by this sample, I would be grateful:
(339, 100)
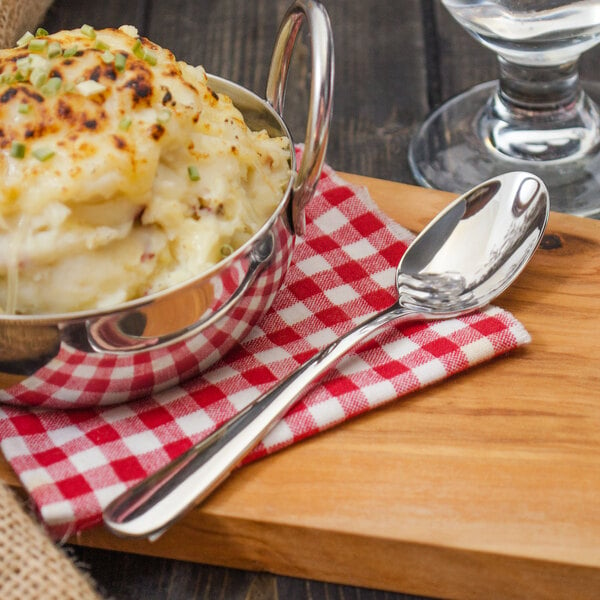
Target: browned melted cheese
(113, 152)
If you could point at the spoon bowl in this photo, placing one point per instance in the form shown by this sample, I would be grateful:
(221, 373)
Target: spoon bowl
(473, 250)
(463, 259)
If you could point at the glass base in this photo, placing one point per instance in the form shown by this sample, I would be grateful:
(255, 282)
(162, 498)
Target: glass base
(447, 153)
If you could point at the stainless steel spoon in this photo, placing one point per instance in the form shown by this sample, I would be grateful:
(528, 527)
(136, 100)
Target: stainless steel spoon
(465, 257)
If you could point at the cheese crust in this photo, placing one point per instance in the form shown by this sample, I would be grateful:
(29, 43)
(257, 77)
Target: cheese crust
(121, 172)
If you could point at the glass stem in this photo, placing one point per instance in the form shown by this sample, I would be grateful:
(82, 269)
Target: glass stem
(540, 113)
(538, 88)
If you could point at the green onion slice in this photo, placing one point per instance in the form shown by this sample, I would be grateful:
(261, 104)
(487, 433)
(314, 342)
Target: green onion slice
(24, 65)
(226, 249)
(90, 87)
(193, 173)
(163, 116)
(138, 49)
(120, 60)
(38, 77)
(54, 49)
(150, 57)
(71, 51)
(37, 45)
(51, 87)
(17, 150)
(24, 108)
(88, 31)
(125, 123)
(107, 57)
(41, 32)
(25, 39)
(43, 154)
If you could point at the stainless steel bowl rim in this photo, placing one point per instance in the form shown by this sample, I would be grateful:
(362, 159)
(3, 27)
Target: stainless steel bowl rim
(53, 318)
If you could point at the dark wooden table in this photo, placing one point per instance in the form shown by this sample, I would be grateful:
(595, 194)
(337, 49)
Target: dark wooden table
(395, 61)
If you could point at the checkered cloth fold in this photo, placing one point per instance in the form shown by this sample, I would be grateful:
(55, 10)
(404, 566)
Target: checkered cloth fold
(74, 462)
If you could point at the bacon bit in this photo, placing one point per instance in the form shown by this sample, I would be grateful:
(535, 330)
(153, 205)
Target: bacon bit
(147, 256)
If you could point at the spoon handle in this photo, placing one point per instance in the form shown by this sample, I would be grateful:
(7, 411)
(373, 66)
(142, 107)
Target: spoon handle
(151, 506)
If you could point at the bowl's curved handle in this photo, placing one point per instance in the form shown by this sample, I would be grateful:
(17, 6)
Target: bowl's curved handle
(321, 94)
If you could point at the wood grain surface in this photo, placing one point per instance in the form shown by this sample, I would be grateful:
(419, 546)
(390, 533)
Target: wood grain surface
(395, 61)
(488, 480)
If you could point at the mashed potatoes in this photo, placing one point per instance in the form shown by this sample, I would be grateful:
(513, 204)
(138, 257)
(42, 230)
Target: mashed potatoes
(121, 172)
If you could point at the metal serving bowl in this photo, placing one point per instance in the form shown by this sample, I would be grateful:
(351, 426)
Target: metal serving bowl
(101, 357)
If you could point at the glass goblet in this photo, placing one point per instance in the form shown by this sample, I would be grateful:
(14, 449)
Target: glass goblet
(536, 117)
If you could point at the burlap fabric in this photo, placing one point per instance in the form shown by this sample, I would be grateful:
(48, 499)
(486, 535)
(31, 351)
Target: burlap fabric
(18, 16)
(31, 566)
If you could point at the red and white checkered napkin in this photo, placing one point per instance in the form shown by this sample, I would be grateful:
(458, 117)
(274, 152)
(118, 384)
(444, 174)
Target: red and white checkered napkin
(73, 463)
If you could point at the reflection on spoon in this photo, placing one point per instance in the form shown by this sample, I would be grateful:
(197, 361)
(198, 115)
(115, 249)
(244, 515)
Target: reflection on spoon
(463, 259)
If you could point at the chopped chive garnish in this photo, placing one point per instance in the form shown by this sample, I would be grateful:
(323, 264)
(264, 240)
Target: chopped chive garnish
(124, 123)
(90, 87)
(38, 77)
(41, 32)
(25, 39)
(43, 154)
(51, 87)
(100, 45)
(24, 65)
(138, 49)
(163, 115)
(37, 45)
(88, 31)
(54, 49)
(144, 53)
(17, 150)
(193, 173)
(150, 57)
(107, 57)
(24, 108)
(71, 51)
(226, 249)
(120, 60)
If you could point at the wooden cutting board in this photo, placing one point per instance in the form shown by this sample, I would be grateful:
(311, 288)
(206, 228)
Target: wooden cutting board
(484, 486)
